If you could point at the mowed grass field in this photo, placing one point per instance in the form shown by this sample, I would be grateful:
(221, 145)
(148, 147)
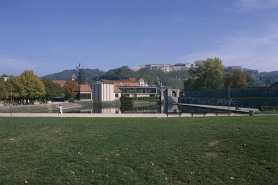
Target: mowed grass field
(207, 150)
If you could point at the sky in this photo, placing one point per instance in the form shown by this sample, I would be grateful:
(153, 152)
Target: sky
(50, 36)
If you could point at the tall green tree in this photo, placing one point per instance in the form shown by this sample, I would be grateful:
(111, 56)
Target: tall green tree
(275, 84)
(250, 81)
(236, 79)
(80, 76)
(52, 89)
(189, 84)
(4, 92)
(32, 86)
(209, 74)
(70, 88)
(14, 84)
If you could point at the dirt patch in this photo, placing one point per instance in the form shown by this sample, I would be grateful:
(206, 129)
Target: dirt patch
(211, 154)
(214, 143)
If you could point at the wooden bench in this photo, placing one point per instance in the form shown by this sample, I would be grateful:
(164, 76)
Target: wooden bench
(222, 112)
(198, 113)
(179, 113)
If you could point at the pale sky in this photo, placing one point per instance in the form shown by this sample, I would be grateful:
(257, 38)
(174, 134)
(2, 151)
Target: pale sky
(49, 36)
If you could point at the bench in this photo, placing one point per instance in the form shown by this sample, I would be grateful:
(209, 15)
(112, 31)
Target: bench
(222, 112)
(197, 113)
(179, 113)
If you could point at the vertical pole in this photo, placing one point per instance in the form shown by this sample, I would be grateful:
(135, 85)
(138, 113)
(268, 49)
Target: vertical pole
(229, 98)
(11, 104)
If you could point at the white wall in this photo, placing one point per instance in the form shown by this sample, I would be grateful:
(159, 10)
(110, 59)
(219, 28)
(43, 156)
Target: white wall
(103, 92)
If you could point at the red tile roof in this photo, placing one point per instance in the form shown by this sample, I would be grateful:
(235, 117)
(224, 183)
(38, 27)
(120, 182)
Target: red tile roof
(116, 89)
(122, 82)
(84, 88)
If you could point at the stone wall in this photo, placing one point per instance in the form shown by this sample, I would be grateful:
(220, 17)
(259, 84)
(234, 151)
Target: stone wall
(46, 108)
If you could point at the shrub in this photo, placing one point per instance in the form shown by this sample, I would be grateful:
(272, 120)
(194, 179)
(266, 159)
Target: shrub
(268, 108)
(71, 100)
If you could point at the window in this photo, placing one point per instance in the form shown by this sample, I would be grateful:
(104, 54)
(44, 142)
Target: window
(174, 94)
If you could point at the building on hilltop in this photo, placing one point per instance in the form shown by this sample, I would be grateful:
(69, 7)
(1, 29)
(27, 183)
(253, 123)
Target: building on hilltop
(253, 73)
(165, 67)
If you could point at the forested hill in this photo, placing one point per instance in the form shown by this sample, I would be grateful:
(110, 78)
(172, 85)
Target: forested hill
(89, 73)
(267, 78)
(153, 77)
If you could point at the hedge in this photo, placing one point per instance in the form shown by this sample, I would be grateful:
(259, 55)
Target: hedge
(268, 108)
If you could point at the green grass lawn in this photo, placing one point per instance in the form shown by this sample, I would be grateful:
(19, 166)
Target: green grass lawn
(212, 150)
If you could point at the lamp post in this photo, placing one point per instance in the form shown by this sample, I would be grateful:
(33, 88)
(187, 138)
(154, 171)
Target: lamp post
(229, 98)
(11, 103)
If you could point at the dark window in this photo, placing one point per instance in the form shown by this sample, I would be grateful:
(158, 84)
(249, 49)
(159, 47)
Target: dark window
(174, 94)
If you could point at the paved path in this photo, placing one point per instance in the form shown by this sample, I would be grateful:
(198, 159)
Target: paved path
(106, 115)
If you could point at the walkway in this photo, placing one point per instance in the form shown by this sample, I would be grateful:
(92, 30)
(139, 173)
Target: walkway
(100, 115)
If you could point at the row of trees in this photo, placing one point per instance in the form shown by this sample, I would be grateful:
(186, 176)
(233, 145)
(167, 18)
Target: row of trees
(209, 75)
(29, 86)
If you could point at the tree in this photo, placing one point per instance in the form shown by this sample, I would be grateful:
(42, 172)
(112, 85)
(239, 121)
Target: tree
(70, 88)
(250, 81)
(235, 79)
(4, 92)
(189, 84)
(209, 74)
(275, 84)
(80, 76)
(52, 89)
(14, 84)
(4, 75)
(32, 86)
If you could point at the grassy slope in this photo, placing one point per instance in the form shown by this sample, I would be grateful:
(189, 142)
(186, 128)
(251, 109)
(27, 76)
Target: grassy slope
(227, 150)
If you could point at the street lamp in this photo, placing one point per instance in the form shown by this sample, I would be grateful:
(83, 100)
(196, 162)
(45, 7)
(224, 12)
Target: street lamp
(11, 102)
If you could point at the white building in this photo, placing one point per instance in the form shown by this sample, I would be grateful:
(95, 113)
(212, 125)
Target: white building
(105, 92)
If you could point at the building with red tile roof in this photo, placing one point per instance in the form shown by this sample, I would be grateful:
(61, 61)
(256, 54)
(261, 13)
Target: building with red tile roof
(84, 92)
(133, 87)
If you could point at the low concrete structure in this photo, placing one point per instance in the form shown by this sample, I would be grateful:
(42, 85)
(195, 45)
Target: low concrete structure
(168, 95)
